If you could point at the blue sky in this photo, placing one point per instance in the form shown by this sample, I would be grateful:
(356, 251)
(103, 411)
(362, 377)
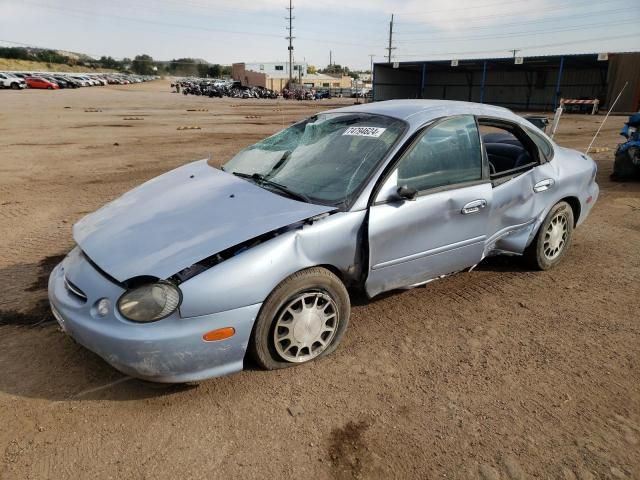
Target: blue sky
(254, 30)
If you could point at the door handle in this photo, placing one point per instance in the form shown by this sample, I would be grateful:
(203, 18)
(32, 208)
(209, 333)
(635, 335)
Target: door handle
(543, 185)
(473, 207)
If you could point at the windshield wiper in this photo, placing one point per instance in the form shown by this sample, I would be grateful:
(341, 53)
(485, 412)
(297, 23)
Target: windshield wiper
(262, 181)
(286, 190)
(250, 176)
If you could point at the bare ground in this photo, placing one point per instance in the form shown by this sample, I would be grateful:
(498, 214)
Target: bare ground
(501, 373)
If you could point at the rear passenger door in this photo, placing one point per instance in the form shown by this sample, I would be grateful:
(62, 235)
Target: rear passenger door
(430, 214)
(522, 180)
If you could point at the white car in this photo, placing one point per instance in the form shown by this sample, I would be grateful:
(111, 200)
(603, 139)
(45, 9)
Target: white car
(9, 80)
(84, 81)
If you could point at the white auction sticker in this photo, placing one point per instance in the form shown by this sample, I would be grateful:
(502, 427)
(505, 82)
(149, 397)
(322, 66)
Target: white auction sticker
(364, 131)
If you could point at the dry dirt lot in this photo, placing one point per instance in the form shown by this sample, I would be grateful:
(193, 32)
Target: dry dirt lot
(502, 373)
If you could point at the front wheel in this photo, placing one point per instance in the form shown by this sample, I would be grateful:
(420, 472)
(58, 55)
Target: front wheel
(304, 318)
(553, 238)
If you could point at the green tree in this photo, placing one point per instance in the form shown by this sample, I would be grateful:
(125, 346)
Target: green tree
(183, 67)
(109, 62)
(336, 69)
(143, 65)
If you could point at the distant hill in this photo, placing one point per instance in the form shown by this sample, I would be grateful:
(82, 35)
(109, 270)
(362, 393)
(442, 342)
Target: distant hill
(82, 57)
(53, 60)
(12, 64)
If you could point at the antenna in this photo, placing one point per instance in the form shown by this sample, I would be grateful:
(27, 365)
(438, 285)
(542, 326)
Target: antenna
(605, 118)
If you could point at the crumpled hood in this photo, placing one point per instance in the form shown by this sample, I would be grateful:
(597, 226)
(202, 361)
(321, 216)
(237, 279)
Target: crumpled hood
(183, 216)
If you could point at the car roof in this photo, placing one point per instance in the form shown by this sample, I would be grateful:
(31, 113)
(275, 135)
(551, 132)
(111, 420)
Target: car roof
(416, 112)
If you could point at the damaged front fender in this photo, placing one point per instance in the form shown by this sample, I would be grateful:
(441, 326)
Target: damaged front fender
(248, 277)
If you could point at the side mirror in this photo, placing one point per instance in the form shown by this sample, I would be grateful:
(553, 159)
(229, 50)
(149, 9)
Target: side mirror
(408, 193)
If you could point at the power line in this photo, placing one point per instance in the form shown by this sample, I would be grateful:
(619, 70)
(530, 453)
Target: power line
(519, 13)
(530, 47)
(529, 32)
(598, 13)
(193, 27)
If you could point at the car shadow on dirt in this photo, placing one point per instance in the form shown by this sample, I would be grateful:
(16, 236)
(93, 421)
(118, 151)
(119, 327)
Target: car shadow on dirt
(38, 360)
(504, 263)
(501, 263)
(43, 362)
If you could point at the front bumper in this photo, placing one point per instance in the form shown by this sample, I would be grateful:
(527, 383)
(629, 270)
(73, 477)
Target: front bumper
(170, 350)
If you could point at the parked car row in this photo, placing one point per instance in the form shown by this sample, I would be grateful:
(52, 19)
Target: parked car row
(57, 80)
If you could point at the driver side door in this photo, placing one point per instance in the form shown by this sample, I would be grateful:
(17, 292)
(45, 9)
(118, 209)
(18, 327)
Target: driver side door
(429, 217)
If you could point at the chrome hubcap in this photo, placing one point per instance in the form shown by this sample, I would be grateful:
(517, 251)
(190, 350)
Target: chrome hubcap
(306, 327)
(555, 237)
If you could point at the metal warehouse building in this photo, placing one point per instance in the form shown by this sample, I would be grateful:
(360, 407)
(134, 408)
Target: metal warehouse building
(538, 83)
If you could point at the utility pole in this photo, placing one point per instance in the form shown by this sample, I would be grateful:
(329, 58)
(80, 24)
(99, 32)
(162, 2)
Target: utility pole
(514, 51)
(390, 47)
(371, 55)
(290, 38)
(330, 58)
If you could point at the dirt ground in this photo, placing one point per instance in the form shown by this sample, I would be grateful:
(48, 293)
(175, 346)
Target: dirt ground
(502, 373)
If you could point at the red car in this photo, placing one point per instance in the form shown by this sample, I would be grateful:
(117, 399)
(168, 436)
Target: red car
(36, 82)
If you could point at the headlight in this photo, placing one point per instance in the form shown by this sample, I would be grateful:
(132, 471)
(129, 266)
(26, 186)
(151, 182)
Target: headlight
(149, 303)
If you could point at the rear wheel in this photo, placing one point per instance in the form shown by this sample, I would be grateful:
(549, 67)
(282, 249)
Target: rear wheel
(553, 238)
(304, 318)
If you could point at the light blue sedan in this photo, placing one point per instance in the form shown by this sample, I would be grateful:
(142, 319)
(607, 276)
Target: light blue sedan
(184, 276)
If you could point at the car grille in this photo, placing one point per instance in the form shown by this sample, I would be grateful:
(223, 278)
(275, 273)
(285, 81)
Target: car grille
(74, 290)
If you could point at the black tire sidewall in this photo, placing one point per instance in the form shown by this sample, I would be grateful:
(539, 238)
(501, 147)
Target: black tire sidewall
(539, 259)
(261, 344)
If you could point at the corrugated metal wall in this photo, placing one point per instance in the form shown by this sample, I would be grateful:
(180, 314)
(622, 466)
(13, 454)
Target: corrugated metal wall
(528, 88)
(622, 69)
(391, 83)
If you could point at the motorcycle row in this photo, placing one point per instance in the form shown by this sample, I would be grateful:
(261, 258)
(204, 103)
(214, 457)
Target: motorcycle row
(217, 88)
(228, 88)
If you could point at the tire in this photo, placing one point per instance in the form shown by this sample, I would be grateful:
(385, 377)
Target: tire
(553, 239)
(49, 88)
(15, 86)
(314, 290)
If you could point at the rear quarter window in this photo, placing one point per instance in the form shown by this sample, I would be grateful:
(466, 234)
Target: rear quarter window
(546, 149)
